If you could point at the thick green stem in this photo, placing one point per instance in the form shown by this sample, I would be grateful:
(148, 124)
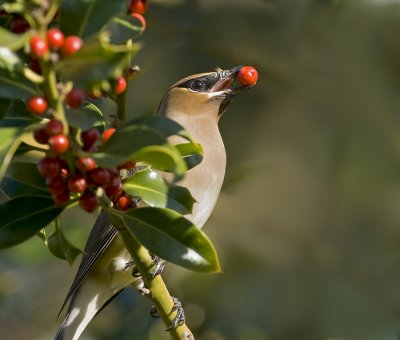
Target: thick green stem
(121, 109)
(158, 291)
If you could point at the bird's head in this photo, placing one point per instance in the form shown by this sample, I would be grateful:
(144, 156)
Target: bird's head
(203, 94)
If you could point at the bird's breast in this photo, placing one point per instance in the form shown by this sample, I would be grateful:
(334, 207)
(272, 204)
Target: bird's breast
(204, 181)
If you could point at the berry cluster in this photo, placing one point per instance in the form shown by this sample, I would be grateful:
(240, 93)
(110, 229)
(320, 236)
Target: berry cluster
(79, 177)
(68, 175)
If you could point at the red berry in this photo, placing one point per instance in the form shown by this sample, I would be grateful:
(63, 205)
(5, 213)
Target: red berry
(75, 98)
(36, 105)
(57, 185)
(85, 164)
(77, 184)
(72, 44)
(138, 6)
(114, 188)
(120, 86)
(88, 201)
(61, 198)
(140, 18)
(114, 172)
(55, 38)
(54, 127)
(128, 165)
(34, 65)
(38, 46)
(100, 176)
(19, 25)
(64, 172)
(247, 76)
(125, 203)
(58, 144)
(49, 167)
(107, 134)
(41, 136)
(89, 137)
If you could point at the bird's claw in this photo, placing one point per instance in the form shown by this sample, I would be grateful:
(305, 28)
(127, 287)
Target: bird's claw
(179, 319)
(142, 289)
(159, 265)
(154, 312)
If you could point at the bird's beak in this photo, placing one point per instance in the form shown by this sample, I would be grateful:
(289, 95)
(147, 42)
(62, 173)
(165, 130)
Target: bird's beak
(227, 87)
(227, 82)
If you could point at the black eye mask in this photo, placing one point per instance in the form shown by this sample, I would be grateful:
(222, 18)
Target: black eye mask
(201, 84)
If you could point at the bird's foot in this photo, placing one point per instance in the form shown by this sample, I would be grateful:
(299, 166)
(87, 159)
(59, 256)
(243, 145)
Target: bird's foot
(154, 312)
(159, 265)
(179, 319)
(142, 289)
(135, 272)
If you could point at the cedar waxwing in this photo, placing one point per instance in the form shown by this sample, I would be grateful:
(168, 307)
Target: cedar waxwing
(197, 103)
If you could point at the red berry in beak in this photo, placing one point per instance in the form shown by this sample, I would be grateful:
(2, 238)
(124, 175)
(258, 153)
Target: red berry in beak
(247, 76)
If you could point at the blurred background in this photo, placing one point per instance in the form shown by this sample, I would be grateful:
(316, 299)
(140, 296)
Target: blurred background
(308, 224)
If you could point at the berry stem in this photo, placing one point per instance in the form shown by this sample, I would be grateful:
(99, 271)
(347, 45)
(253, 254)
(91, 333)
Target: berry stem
(53, 95)
(121, 109)
(51, 12)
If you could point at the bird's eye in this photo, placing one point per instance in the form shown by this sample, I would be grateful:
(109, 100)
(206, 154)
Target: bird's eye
(197, 85)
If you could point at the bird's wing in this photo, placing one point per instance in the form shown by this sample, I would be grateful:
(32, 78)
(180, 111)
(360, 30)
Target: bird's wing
(102, 234)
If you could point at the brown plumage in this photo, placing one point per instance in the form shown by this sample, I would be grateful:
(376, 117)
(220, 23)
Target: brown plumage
(196, 103)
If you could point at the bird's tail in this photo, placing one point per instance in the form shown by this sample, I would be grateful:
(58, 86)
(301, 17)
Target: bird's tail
(90, 300)
(111, 273)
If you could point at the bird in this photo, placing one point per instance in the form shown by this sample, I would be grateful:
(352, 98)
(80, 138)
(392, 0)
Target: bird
(197, 103)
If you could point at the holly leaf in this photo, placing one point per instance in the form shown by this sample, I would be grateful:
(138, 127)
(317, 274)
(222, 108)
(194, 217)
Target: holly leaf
(5, 105)
(22, 217)
(165, 126)
(11, 132)
(151, 187)
(14, 85)
(191, 153)
(96, 62)
(23, 179)
(91, 15)
(12, 41)
(169, 235)
(86, 117)
(121, 29)
(140, 143)
(60, 247)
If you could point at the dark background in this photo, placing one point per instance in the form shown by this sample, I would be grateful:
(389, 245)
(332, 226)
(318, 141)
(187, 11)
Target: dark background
(308, 224)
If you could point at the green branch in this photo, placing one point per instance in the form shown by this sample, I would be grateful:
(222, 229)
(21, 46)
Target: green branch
(159, 294)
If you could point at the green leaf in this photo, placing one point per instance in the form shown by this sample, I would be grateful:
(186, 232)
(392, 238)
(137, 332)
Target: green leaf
(23, 216)
(8, 59)
(165, 126)
(5, 105)
(86, 117)
(151, 187)
(12, 41)
(14, 85)
(60, 247)
(96, 62)
(23, 179)
(18, 111)
(121, 29)
(161, 157)
(192, 153)
(141, 144)
(89, 16)
(169, 235)
(11, 131)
